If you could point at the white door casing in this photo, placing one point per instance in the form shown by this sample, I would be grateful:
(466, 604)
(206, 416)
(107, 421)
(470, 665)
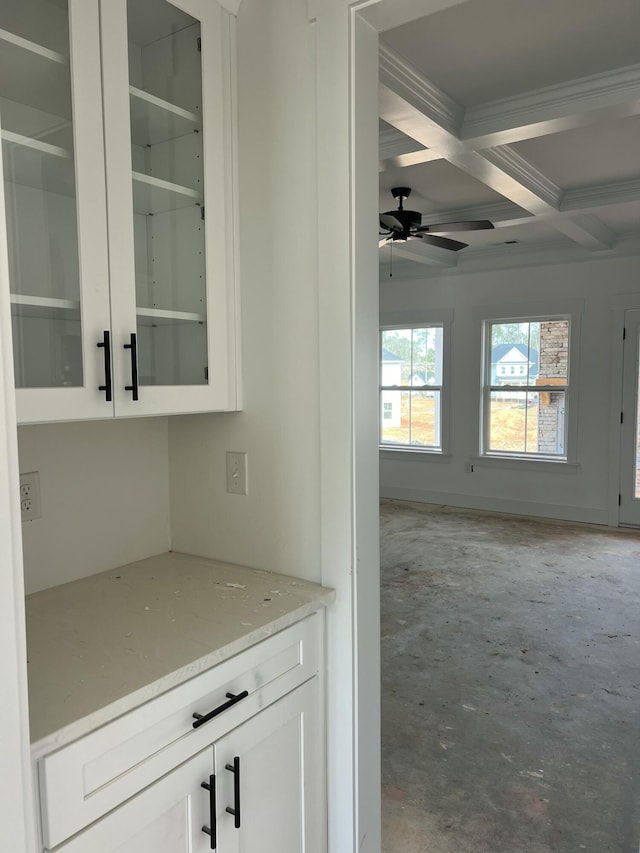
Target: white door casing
(629, 489)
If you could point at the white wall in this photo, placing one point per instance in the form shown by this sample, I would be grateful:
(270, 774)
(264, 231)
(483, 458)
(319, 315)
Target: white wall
(104, 494)
(582, 494)
(276, 525)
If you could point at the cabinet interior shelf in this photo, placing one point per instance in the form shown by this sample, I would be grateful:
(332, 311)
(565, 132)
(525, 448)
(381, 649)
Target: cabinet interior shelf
(162, 317)
(33, 74)
(37, 164)
(11, 41)
(155, 120)
(44, 307)
(153, 195)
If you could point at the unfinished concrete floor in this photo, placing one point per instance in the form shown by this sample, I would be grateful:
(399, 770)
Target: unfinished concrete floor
(511, 684)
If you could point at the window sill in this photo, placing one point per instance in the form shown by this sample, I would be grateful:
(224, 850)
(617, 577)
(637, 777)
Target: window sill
(515, 463)
(413, 455)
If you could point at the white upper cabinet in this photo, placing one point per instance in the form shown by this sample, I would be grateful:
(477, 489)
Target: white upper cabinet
(54, 194)
(118, 159)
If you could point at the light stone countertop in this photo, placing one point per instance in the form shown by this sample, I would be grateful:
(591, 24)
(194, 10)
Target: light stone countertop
(100, 646)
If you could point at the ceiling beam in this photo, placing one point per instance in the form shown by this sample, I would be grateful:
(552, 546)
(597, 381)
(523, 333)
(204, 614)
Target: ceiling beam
(412, 158)
(391, 143)
(579, 200)
(582, 199)
(577, 103)
(421, 253)
(419, 109)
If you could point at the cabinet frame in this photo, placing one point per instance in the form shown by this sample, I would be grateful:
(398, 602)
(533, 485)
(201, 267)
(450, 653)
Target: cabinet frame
(100, 92)
(220, 179)
(84, 401)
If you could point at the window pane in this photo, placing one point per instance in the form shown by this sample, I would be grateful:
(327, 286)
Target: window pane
(411, 418)
(396, 356)
(514, 353)
(527, 422)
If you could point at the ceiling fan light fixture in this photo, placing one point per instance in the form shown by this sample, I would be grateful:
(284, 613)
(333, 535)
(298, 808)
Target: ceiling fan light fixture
(402, 225)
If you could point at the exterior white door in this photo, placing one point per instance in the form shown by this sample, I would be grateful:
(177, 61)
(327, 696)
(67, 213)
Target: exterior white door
(167, 817)
(630, 426)
(269, 773)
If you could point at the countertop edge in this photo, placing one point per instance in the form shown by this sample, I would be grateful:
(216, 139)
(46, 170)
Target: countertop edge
(79, 728)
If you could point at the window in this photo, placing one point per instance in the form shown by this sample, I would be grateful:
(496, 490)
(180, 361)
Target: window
(527, 416)
(411, 387)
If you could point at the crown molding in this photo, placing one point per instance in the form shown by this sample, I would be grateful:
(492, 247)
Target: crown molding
(232, 6)
(508, 160)
(612, 94)
(600, 195)
(409, 84)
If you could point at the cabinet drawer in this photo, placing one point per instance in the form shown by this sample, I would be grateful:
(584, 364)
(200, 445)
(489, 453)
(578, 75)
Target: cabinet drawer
(83, 780)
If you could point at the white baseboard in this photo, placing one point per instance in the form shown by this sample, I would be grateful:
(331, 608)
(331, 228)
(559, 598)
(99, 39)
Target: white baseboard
(558, 512)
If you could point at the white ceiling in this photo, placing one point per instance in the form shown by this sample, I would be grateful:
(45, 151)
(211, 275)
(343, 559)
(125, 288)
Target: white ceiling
(525, 112)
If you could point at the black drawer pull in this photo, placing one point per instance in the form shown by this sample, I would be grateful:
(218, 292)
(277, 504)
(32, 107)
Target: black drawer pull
(210, 786)
(200, 720)
(235, 811)
(133, 346)
(106, 345)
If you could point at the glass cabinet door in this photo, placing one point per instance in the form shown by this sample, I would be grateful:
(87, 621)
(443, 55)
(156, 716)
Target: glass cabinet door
(42, 197)
(161, 176)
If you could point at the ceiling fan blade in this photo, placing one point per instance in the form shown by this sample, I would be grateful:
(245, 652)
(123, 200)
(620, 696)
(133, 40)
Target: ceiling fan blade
(443, 242)
(391, 222)
(469, 225)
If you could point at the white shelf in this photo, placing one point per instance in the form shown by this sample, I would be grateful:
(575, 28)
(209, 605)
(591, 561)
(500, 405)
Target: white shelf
(161, 317)
(45, 307)
(153, 195)
(23, 120)
(37, 164)
(24, 45)
(33, 74)
(155, 120)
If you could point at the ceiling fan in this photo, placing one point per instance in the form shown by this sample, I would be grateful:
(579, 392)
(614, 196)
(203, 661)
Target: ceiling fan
(405, 225)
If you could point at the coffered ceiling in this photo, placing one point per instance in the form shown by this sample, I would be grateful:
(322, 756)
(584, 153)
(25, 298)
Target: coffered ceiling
(524, 112)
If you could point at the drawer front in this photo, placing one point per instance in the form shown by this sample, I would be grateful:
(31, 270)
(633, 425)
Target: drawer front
(85, 779)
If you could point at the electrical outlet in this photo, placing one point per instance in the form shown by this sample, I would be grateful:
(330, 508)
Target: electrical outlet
(30, 496)
(468, 467)
(236, 473)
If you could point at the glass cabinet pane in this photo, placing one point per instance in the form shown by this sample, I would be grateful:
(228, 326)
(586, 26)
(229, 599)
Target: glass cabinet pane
(40, 192)
(165, 97)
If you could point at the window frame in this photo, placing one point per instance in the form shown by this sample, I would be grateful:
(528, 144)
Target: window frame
(569, 310)
(419, 320)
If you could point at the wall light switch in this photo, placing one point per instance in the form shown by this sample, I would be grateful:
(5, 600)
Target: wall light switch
(236, 473)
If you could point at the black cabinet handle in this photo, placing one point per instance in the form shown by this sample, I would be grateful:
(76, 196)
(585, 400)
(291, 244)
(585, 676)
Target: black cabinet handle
(106, 345)
(210, 786)
(133, 346)
(235, 811)
(200, 720)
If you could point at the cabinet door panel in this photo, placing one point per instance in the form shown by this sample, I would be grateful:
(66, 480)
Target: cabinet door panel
(171, 219)
(54, 197)
(167, 817)
(281, 778)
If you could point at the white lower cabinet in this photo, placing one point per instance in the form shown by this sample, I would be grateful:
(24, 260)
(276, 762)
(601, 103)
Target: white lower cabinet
(231, 760)
(167, 817)
(269, 772)
(268, 792)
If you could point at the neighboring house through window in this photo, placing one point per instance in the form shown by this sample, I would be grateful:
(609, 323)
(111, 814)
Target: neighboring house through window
(526, 388)
(411, 385)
